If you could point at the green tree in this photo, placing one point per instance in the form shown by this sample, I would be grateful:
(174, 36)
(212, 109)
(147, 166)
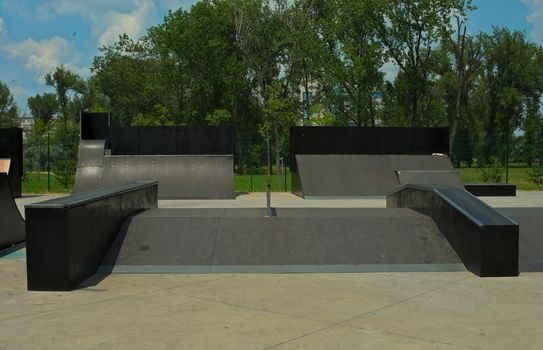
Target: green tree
(9, 113)
(352, 77)
(64, 81)
(43, 107)
(467, 52)
(410, 31)
(260, 37)
(513, 75)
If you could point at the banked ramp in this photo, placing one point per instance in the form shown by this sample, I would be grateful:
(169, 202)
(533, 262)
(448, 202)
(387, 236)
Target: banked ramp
(356, 175)
(12, 226)
(294, 241)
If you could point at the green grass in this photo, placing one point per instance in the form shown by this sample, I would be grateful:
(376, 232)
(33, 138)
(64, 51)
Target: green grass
(242, 183)
(36, 183)
(517, 176)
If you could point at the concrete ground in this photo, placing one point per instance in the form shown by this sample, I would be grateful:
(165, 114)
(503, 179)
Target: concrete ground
(445, 310)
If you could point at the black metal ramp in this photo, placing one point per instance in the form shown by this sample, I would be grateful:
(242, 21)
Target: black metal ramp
(530, 222)
(90, 166)
(12, 225)
(294, 241)
(349, 175)
(179, 176)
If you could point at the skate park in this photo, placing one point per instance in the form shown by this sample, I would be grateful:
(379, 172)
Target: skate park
(426, 221)
(350, 291)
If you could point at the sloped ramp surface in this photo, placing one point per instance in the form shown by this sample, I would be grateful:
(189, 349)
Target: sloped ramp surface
(12, 226)
(179, 177)
(296, 240)
(182, 176)
(371, 175)
(90, 166)
(530, 222)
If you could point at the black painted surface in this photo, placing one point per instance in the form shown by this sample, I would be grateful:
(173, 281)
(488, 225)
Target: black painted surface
(11, 146)
(485, 240)
(359, 175)
(530, 221)
(297, 236)
(174, 140)
(95, 126)
(362, 141)
(492, 190)
(67, 238)
(12, 226)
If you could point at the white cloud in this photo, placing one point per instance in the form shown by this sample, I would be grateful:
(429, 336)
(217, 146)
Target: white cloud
(45, 55)
(535, 17)
(108, 19)
(391, 71)
(133, 24)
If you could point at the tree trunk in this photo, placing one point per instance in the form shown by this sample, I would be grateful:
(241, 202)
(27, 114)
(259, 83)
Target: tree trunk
(414, 108)
(456, 118)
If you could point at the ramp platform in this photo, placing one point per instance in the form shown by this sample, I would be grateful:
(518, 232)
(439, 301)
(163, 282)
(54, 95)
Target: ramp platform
(294, 241)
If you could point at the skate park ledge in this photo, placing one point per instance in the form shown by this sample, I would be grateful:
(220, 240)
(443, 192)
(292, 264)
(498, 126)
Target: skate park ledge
(67, 238)
(486, 241)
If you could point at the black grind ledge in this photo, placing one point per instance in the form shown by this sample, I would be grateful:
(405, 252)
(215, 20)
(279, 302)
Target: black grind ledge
(492, 190)
(67, 238)
(486, 241)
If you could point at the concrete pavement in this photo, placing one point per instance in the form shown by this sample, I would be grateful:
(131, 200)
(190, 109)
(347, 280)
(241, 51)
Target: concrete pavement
(445, 310)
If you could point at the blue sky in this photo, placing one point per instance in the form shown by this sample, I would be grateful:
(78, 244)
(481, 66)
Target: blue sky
(38, 35)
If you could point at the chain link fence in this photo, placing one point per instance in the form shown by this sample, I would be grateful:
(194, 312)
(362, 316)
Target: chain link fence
(497, 158)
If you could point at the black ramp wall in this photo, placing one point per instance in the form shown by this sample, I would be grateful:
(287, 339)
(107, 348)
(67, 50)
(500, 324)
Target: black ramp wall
(95, 126)
(359, 161)
(188, 162)
(12, 226)
(361, 140)
(171, 140)
(11, 146)
(348, 175)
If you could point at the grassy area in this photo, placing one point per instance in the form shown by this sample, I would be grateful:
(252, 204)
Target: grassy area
(36, 183)
(517, 176)
(257, 183)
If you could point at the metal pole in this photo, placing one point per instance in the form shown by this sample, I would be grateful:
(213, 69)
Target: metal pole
(507, 159)
(285, 171)
(48, 164)
(268, 183)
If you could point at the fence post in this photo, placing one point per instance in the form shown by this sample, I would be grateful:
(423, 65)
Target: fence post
(507, 159)
(48, 164)
(285, 171)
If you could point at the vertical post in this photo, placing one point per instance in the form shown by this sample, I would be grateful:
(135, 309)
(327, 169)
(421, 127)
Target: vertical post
(285, 171)
(507, 158)
(268, 180)
(48, 164)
